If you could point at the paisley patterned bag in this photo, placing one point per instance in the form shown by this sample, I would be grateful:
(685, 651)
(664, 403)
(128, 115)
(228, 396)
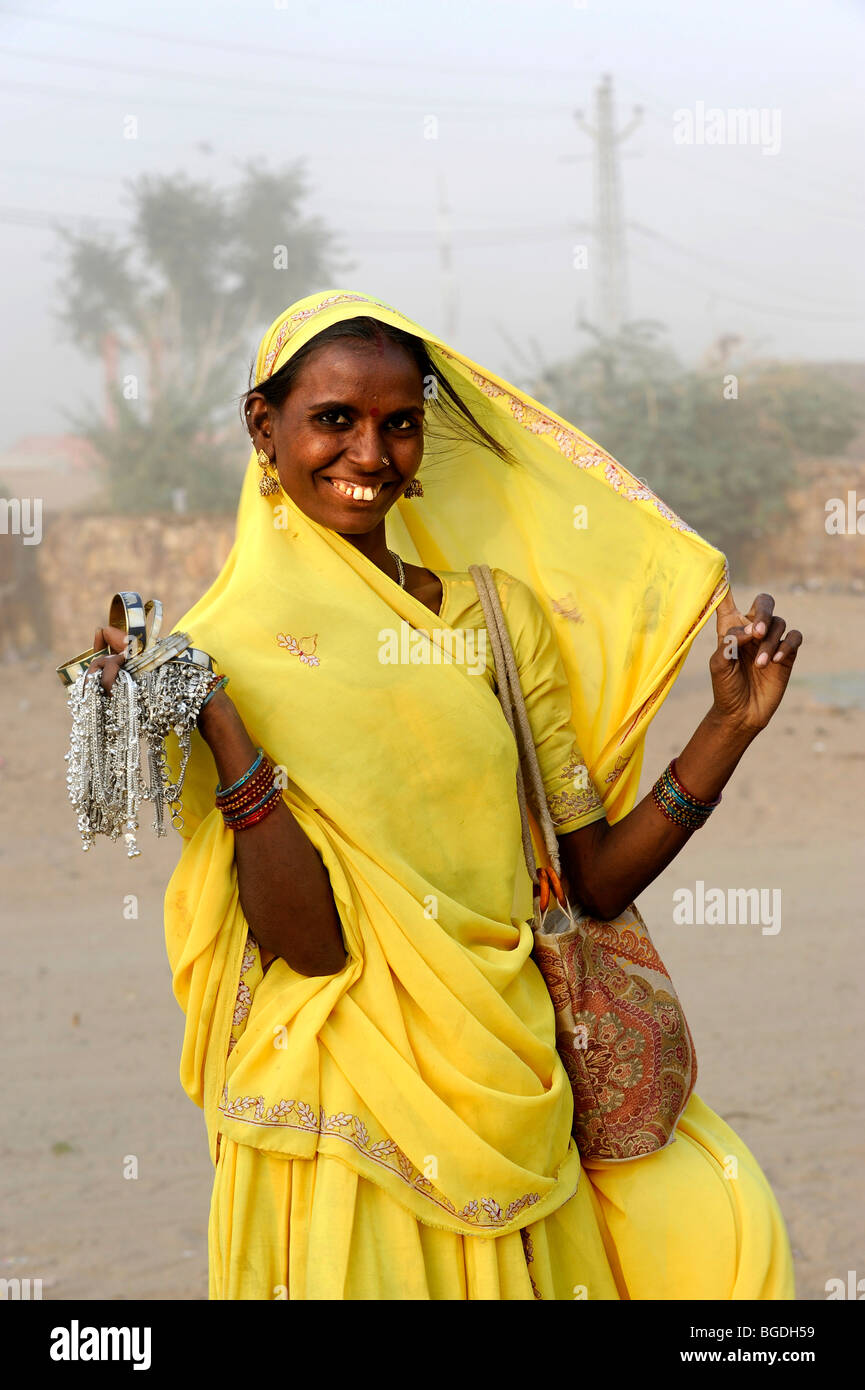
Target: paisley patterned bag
(620, 1029)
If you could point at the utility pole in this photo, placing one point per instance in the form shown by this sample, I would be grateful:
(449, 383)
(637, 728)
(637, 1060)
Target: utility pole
(611, 279)
(447, 282)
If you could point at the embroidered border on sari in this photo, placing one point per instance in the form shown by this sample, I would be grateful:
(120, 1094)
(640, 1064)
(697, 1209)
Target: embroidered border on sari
(483, 1212)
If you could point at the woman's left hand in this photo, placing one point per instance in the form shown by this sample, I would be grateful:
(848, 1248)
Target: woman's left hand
(752, 663)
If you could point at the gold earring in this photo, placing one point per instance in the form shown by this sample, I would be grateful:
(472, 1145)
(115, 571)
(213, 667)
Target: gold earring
(267, 485)
(414, 489)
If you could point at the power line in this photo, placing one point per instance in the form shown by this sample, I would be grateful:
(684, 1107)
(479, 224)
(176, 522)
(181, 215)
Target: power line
(221, 82)
(386, 112)
(802, 315)
(35, 217)
(422, 242)
(272, 51)
(663, 115)
(729, 266)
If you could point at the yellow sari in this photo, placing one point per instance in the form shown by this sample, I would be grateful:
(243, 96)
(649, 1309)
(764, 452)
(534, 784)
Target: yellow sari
(402, 1129)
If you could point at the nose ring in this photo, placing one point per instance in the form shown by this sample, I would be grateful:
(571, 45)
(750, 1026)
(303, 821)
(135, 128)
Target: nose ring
(385, 460)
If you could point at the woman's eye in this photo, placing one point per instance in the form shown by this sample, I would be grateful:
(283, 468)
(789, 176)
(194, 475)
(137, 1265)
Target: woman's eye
(401, 423)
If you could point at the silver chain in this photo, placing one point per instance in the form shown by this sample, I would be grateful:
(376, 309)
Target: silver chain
(400, 567)
(103, 778)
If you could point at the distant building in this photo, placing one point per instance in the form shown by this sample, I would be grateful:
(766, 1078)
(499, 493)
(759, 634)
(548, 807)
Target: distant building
(63, 469)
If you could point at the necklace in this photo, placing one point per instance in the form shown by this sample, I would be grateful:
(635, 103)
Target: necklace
(400, 567)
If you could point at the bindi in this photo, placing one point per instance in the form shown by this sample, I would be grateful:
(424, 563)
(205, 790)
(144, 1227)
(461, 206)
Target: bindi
(374, 410)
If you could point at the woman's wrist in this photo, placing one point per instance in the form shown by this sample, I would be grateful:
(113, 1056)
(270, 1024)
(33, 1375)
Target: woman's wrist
(731, 728)
(709, 759)
(228, 739)
(218, 714)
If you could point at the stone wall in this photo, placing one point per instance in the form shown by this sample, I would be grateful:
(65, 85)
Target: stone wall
(83, 560)
(53, 595)
(799, 550)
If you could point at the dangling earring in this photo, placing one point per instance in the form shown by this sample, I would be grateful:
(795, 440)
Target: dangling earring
(267, 485)
(414, 489)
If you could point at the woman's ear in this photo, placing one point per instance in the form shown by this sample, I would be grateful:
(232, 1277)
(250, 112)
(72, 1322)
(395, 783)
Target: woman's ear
(257, 414)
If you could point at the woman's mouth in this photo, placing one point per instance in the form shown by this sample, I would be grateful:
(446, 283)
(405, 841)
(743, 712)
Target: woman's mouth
(356, 492)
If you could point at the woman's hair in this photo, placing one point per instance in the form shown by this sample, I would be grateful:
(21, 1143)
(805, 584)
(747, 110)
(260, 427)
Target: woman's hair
(446, 406)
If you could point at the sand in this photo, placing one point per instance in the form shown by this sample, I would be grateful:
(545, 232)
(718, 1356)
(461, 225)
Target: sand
(91, 1032)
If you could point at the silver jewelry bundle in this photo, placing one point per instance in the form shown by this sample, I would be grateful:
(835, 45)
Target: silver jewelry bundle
(155, 693)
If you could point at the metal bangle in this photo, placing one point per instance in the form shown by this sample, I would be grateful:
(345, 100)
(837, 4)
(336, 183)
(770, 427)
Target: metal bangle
(224, 791)
(197, 657)
(220, 685)
(167, 649)
(127, 612)
(237, 820)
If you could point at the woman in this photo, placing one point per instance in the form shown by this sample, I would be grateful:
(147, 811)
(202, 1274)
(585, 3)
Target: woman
(366, 1031)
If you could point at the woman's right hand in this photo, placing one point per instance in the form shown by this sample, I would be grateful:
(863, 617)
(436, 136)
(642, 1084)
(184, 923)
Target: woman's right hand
(118, 641)
(215, 712)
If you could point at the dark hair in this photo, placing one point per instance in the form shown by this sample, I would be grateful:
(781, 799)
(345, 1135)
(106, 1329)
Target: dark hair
(454, 416)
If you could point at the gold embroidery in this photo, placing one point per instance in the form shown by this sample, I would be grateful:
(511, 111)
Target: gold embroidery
(582, 452)
(566, 607)
(304, 647)
(243, 1001)
(287, 327)
(484, 1212)
(671, 675)
(529, 1252)
(578, 797)
(620, 765)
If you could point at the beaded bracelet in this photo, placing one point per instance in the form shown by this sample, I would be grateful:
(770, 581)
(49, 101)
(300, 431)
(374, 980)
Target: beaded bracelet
(258, 779)
(232, 813)
(225, 791)
(218, 684)
(260, 815)
(249, 796)
(252, 797)
(255, 813)
(237, 816)
(689, 796)
(675, 802)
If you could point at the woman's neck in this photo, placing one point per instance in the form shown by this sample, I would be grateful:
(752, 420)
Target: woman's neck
(373, 544)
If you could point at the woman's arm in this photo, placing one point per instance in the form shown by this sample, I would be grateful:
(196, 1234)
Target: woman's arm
(284, 888)
(608, 866)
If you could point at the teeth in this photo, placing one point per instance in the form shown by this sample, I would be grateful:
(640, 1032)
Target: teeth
(355, 490)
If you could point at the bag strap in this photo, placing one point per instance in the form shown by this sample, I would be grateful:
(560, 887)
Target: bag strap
(514, 706)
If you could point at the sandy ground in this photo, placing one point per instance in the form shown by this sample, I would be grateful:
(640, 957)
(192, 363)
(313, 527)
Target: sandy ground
(91, 1032)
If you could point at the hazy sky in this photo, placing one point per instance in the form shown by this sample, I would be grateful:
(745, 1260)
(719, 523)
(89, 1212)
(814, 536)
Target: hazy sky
(723, 237)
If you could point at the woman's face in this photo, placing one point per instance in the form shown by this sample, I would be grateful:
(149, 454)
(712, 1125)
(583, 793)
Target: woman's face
(352, 419)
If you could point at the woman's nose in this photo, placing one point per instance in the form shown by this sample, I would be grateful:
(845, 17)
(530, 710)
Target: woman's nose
(366, 447)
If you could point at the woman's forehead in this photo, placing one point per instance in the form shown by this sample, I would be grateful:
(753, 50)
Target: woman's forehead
(360, 367)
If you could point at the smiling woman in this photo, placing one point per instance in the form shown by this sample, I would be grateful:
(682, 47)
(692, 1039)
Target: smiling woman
(349, 924)
(371, 385)
(345, 430)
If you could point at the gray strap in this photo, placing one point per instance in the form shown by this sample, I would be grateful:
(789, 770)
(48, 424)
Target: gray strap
(514, 707)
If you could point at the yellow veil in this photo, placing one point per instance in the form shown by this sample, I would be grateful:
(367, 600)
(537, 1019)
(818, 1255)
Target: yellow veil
(427, 1064)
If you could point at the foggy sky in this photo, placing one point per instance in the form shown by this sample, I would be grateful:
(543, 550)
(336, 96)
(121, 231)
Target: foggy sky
(765, 245)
